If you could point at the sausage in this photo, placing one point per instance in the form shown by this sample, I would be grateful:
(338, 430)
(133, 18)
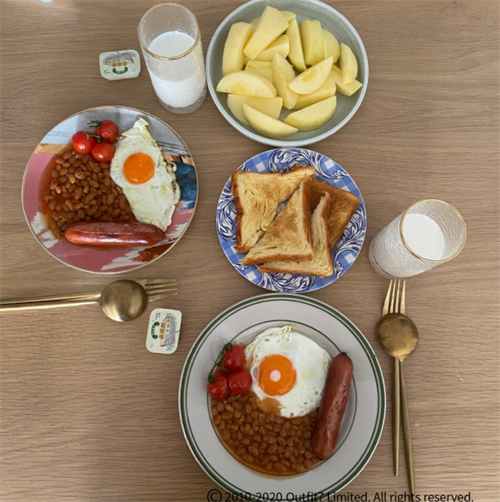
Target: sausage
(332, 408)
(95, 233)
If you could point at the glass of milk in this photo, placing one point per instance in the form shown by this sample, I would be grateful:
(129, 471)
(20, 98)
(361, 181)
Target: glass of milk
(427, 234)
(170, 38)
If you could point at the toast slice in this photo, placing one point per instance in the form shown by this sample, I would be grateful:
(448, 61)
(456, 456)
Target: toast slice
(343, 206)
(289, 236)
(257, 196)
(321, 263)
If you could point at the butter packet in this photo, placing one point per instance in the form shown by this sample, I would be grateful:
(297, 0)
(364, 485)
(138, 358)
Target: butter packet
(118, 65)
(163, 332)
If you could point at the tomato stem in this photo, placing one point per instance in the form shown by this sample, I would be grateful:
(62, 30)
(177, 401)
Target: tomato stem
(220, 358)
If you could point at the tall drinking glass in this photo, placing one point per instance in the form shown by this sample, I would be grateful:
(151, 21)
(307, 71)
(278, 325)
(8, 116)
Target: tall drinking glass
(170, 39)
(427, 234)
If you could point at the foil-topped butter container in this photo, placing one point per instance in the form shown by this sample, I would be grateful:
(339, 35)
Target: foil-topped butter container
(119, 65)
(163, 331)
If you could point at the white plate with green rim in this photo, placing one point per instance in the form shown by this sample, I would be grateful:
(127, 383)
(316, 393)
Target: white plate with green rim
(363, 420)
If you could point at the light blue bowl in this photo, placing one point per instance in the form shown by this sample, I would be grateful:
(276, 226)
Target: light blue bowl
(305, 9)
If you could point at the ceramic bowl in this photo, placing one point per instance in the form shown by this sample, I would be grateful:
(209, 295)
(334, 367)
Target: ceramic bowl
(305, 9)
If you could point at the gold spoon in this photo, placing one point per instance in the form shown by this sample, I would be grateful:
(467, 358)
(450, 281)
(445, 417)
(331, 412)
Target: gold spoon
(399, 337)
(121, 300)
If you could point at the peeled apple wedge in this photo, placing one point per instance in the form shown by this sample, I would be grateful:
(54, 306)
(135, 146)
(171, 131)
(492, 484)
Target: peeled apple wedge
(296, 53)
(348, 64)
(271, 25)
(266, 125)
(282, 74)
(327, 90)
(313, 78)
(262, 68)
(345, 89)
(233, 57)
(312, 41)
(269, 106)
(289, 16)
(280, 46)
(313, 116)
(331, 45)
(247, 83)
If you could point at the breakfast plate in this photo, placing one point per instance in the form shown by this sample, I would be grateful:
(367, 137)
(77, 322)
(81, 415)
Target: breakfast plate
(362, 422)
(345, 251)
(107, 259)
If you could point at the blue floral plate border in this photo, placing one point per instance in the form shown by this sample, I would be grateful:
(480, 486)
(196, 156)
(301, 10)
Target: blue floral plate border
(345, 251)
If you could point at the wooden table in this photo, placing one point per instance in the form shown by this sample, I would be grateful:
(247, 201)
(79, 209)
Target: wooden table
(88, 414)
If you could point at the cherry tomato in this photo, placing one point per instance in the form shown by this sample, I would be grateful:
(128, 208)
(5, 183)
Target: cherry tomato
(219, 388)
(103, 152)
(234, 360)
(107, 129)
(240, 382)
(83, 142)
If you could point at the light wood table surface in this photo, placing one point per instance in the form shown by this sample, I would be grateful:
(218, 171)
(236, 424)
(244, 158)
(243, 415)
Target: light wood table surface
(88, 414)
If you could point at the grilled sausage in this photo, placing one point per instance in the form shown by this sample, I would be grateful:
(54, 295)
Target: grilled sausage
(113, 234)
(332, 406)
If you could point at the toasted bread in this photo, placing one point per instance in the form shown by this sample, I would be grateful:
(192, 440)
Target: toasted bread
(257, 196)
(321, 263)
(343, 206)
(289, 236)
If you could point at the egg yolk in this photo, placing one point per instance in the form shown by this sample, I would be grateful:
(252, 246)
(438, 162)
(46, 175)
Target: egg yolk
(139, 168)
(276, 375)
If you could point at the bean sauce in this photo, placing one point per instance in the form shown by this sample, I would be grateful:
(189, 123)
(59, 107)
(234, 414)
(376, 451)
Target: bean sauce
(263, 440)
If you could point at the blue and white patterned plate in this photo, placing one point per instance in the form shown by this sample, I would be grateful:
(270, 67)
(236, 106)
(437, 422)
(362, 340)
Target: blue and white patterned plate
(345, 251)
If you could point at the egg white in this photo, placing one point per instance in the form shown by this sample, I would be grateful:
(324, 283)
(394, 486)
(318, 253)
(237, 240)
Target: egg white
(153, 201)
(310, 361)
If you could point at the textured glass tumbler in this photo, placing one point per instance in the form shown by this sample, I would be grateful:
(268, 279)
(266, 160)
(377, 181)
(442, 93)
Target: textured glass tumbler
(179, 81)
(393, 252)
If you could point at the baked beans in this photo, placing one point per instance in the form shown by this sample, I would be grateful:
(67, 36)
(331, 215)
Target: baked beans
(81, 189)
(264, 440)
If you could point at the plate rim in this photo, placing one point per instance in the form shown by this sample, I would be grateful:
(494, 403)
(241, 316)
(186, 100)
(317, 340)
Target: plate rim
(355, 331)
(277, 141)
(111, 272)
(314, 152)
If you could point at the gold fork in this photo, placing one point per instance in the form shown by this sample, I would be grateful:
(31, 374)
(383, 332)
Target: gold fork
(395, 304)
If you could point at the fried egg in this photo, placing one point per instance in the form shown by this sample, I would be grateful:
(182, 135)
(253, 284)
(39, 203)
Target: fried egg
(289, 368)
(140, 170)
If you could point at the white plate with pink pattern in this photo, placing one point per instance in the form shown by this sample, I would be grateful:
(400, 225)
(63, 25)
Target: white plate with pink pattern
(109, 260)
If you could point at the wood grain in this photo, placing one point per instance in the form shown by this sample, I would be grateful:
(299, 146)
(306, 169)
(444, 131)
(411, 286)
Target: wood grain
(88, 414)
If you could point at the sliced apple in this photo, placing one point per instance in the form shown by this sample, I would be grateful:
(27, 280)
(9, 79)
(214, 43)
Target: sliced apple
(331, 45)
(282, 74)
(247, 83)
(233, 57)
(345, 89)
(312, 41)
(296, 54)
(288, 15)
(280, 46)
(263, 68)
(266, 125)
(269, 106)
(271, 25)
(313, 78)
(327, 90)
(348, 64)
(313, 116)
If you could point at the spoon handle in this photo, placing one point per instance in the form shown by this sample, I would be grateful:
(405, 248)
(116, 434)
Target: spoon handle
(47, 304)
(396, 417)
(74, 296)
(406, 431)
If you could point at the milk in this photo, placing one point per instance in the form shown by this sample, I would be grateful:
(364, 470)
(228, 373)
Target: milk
(171, 43)
(178, 83)
(424, 236)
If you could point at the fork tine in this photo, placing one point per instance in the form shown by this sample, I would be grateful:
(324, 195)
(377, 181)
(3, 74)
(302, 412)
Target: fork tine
(160, 296)
(403, 298)
(397, 297)
(150, 282)
(385, 308)
(161, 289)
